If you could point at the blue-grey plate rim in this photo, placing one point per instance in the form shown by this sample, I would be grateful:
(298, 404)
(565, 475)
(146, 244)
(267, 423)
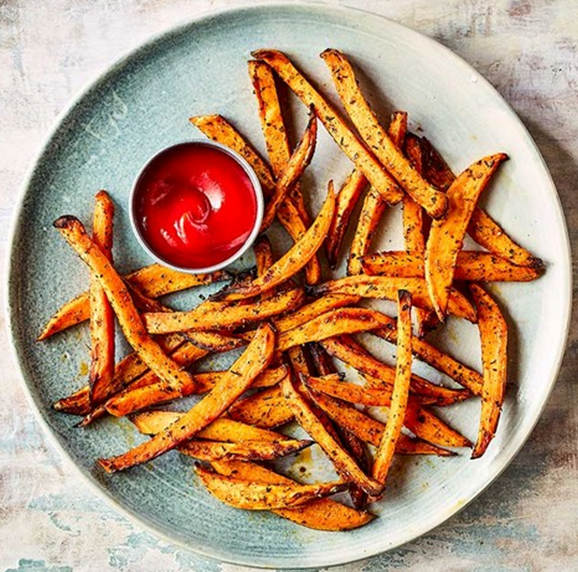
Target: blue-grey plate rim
(93, 86)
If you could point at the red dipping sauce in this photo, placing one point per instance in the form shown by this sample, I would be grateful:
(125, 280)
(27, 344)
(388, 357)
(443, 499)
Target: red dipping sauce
(196, 206)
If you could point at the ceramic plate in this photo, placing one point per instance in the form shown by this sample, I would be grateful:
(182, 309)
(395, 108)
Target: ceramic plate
(141, 105)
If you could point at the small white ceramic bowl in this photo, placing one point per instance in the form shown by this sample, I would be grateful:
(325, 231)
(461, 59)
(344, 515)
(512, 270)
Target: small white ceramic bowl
(256, 185)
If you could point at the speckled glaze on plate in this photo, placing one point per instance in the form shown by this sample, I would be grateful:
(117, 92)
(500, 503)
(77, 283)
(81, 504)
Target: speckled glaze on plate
(142, 105)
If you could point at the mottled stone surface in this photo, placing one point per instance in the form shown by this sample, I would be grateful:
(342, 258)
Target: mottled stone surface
(527, 521)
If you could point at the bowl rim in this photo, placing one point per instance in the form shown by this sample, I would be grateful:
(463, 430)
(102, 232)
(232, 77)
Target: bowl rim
(255, 185)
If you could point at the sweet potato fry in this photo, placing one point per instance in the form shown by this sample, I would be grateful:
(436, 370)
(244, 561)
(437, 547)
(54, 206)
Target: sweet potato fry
(441, 361)
(129, 319)
(264, 259)
(494, 338)
(312, 310)
(152, 281)
(212, 315)
(293, 260)
(294, 168)
(352, 443)
(373, 207)
(242, 374)
(386, 287)
(370, 430)
(367, 395)
(372, 210)
(235, 441)
(489, 234)
(257, 496)
(101, 314)
(446, 236)
(377, 139)
(345, 466)
(347, 199)
(482, 228)
(266, 409)
(221, 429)
(243, 450)
(400, 394)
(331, 324)
(273, 127)
(149, 392)
(364, 160)
(350, 352)
(471, 266)
(292, 213)
(413, 231)
(320, 514)
(132, 367)
(421, 421)
(291, 221)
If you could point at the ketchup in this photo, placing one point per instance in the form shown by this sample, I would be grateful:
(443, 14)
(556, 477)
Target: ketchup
(195, 206)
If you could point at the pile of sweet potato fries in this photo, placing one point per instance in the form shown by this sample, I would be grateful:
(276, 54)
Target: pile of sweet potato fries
(295, 327)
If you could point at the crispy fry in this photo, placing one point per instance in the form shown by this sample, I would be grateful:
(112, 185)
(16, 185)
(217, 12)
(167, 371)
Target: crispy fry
(371, 212)
(347, 199)
(289, 218)
(221, 429)
(494, 338)
(273, 127)
(312, 310)
(244, 450)
(446, 236)
(119, 297)
(373, 207)
(421, 421)
(152, 281)
(435, 169)
(342, 461)
(295, 259)
(264, 259)
(370, 430)
(400, 395)
(413, 226)
(298, 361)
(331, 324)
(471, 266)
(364, 160)
(132, 367)
(137, 397)
(320, 514)
(360, 394)
(235, 441)
(489, 234)
(212, 315)
(350, 352)
(257, 496)
(357, 448)
(242, 374)
(386, 287)
(101, 314)
(377, 139)
(295, 167)
(441, 361)
(266, 409)
(482, 228)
